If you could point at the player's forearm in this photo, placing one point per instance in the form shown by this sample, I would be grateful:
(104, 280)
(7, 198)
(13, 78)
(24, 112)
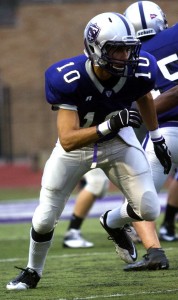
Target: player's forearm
(167, 100)
(148, 112)
(76, 139)
(70, 134)
(150, 119)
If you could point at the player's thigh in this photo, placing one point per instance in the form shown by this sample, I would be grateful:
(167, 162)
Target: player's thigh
(133, 176)
(170, 134)
(157, 169)
(63, 171)
(61, 175)
(131, 166)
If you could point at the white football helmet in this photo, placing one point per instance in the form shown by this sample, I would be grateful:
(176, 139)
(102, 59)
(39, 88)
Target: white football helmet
(103, 35)
(146, 17)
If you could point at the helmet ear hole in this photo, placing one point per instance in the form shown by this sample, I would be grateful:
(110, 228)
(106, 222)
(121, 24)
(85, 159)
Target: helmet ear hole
(91, 48)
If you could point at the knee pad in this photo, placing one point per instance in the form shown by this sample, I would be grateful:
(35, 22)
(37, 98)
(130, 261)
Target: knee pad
(44, 219)
(97, 184)
(47, 213)
(150, 207)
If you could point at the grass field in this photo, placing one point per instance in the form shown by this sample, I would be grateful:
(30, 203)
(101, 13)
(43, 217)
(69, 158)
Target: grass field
(82, 274)
(19, 193)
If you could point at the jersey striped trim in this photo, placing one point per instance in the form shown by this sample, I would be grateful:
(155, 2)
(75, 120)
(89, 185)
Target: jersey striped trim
(68, 106)
(145, 141)
(169, 124)
(166, 124)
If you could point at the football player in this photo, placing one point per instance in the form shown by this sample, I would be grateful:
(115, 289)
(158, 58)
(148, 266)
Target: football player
(167, 230)
(94, 185)
(93, 94)
(152, 29)
(151, 19)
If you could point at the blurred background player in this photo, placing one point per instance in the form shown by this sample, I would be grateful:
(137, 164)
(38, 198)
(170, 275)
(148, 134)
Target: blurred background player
(167, 231)
(94, 185)
(151, 28)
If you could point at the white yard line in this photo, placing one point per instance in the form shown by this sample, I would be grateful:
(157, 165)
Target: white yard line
(124, 295)
(13, 259)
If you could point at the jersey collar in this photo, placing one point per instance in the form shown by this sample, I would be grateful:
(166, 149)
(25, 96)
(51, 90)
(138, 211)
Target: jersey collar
(119, 85)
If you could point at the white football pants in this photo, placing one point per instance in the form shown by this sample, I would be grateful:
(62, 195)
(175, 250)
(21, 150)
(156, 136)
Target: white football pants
(170, 134)
(125, 165)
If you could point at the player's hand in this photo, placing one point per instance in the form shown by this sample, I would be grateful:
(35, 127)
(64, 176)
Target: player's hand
(163, 154)
(125, 118)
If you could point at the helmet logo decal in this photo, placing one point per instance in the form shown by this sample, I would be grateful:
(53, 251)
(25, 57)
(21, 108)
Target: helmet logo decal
(152, 16)
(108, 93)
(93, 32)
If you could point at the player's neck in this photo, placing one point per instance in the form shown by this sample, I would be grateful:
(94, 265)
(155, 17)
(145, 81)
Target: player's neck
(105, 78)
(101, 73)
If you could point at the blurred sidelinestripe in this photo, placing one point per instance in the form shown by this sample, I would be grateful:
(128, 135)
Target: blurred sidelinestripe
(22, 211)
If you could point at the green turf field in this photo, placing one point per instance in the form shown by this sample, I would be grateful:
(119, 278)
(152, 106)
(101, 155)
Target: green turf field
(95, 273)
(18, 193)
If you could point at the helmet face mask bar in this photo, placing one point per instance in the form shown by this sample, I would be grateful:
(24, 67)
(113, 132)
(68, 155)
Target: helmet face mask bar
(105, 36)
